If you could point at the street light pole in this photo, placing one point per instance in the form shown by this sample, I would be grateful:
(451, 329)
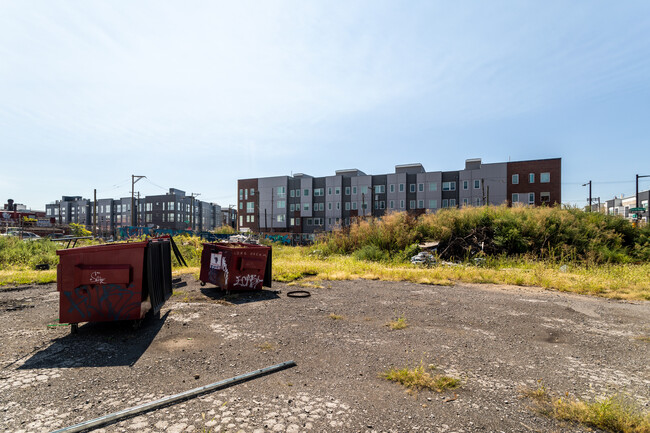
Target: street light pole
(585, 184)
(133, 182)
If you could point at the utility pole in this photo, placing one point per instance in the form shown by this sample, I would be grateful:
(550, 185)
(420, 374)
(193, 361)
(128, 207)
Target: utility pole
(192, 195)
(133, 181)
(95, 213)
(637, 187)
(585, 184)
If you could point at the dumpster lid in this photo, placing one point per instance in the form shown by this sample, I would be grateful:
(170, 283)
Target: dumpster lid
(102, 248)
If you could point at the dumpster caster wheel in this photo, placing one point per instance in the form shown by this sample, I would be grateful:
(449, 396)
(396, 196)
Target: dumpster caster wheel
(202, 283)
(74, 328)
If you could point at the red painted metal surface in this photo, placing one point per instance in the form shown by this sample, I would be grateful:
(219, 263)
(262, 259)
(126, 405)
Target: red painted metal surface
(234, 267)
(101, 283)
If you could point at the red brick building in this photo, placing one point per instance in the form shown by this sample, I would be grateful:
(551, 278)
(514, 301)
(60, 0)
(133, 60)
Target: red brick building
(537, 182)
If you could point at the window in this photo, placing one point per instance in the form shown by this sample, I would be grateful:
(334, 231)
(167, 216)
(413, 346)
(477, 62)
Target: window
(433, 186)
(292, 222)
(465, 184)
(544, 177)
(364, 190)
(329, 221)
(401, 187)
(241, 205)
(515, 179)
(298, 192)
(318, 192)
(292, 193)
(148, 207)
(412, 187)
(452, 202)
(531, 177)
(420, 204)
(250, 207)
(347, 190)
(338, 205)
(252, 191)
(347, 205)
(392, 187)
(449, 186)
(309, 222)
(281, 204)
(241, 220)
(305, 192)
(477, 184)
(515, 198)
(305, 206)
(281, 218)
(433, 204)
(465, 202)
(412, 204)
(281, 191)
(337, 191)
(329, 191)
(421, 187)
(329, 206)
(531, 198)
(171, 218)
(354, 190)
(401, 204)
(545, 197)
(392, 204)
(246, 194)
(477, 202)
(382, 204)
(379, 189)
(376, 205)
(354, 205)
(445, 202)
(297, 221)
(170, 205)
(321, 206)
(241, 194)
(292, 207)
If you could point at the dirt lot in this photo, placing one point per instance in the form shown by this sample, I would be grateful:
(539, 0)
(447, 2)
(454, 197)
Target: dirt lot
(497, 339)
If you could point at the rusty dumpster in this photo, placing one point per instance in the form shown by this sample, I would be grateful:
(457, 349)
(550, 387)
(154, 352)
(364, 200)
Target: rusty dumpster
(113, 282)
(236, 266)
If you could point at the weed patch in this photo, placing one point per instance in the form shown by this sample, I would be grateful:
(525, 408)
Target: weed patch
(335, 316)
(616, 413)
(419, 378)
(399, 323)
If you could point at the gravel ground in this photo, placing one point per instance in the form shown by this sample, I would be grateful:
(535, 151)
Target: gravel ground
(497, 339)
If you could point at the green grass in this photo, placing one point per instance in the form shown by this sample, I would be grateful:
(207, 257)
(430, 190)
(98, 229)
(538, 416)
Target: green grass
(335, 316)
(419, 378)
(616, 413)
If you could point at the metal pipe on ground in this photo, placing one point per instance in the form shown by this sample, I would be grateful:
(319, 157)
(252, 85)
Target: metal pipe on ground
(174, 398)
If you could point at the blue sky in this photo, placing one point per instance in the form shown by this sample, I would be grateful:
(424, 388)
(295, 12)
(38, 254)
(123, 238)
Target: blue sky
(196, 95)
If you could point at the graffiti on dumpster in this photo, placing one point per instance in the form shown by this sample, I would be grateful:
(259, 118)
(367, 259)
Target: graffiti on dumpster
(102, 302)
(96, 277)
(249, 281)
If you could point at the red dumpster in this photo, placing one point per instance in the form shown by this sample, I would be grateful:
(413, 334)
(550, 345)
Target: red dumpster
(236, 266)
(113, 282)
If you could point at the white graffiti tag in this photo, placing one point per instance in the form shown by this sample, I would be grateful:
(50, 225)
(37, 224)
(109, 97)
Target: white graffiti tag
(97, 278)
(249, 281)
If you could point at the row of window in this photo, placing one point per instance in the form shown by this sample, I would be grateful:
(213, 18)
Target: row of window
(379, 189)
(244, 193)
(543, 178)
(544, 197)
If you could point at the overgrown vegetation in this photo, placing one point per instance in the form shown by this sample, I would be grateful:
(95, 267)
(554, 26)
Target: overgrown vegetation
(616, 413)
(419, 378)
(549, 233)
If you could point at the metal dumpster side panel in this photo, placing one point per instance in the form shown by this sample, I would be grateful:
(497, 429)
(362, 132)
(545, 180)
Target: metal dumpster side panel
(101, 283)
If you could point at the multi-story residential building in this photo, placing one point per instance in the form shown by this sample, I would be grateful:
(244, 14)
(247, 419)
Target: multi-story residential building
(173, 210)
(307, 204)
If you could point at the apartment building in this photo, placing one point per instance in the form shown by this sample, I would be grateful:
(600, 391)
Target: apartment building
(307, 204)
(173, 210)
(622, 206)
